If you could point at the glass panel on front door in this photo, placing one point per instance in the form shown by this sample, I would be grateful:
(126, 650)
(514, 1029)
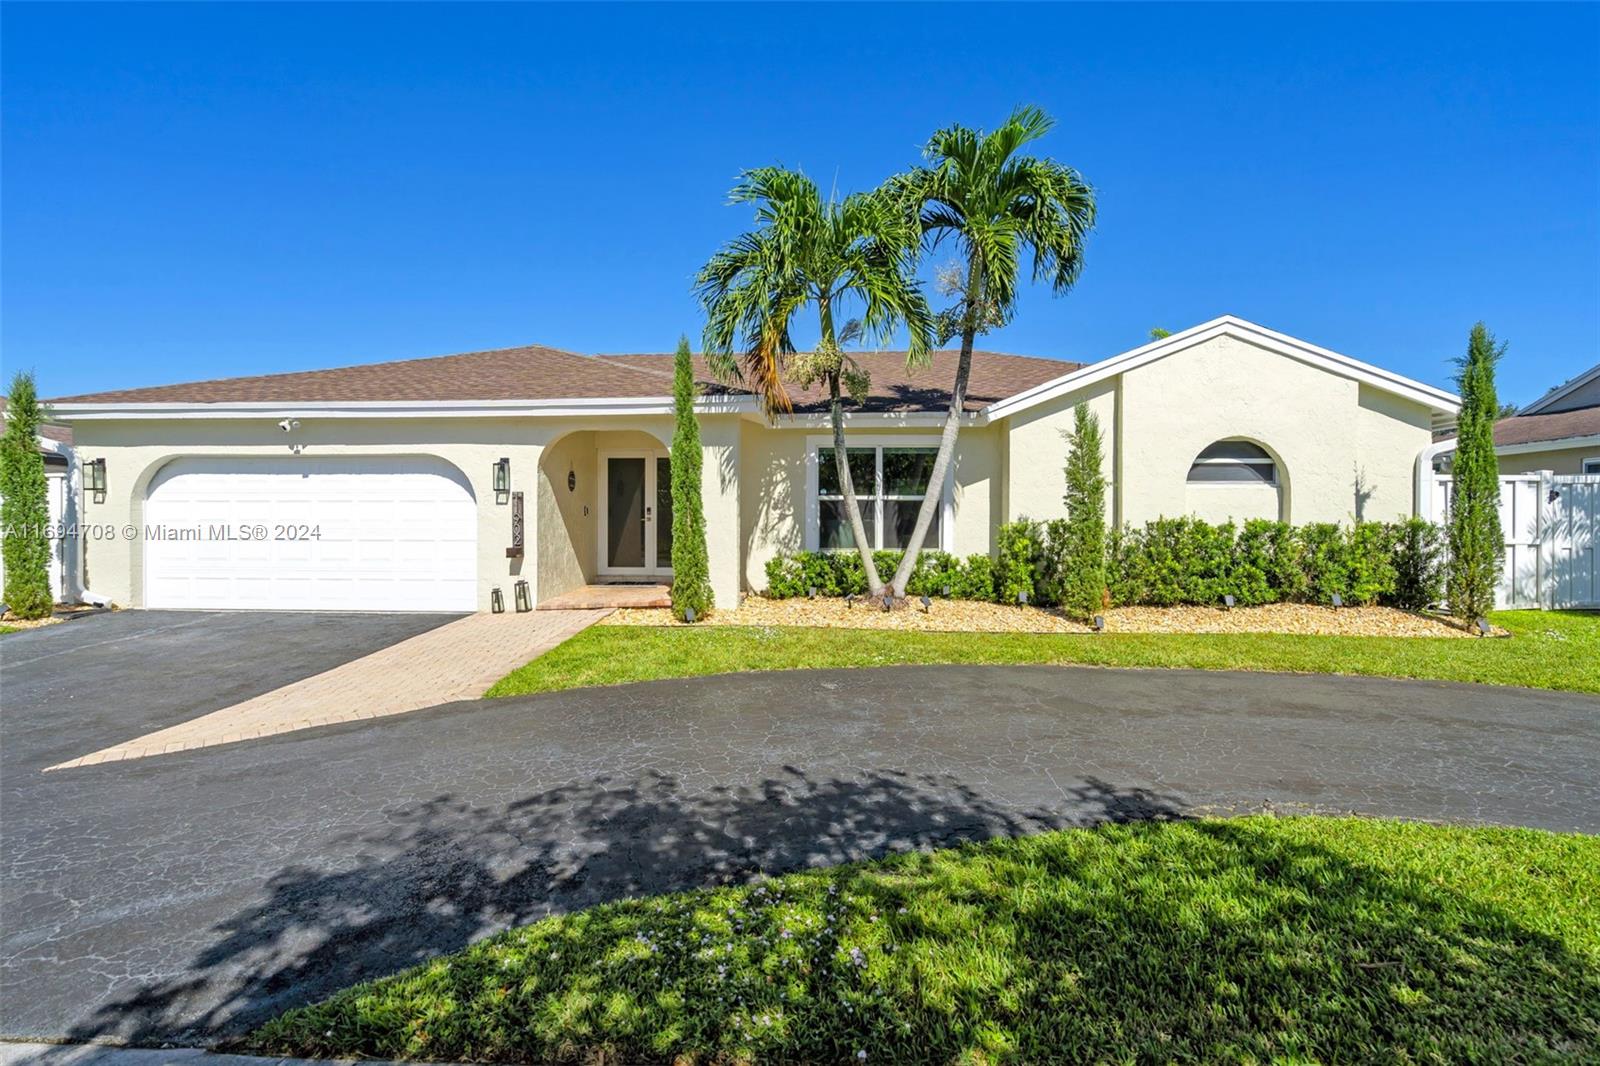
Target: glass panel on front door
(625, 512)
(663, 513)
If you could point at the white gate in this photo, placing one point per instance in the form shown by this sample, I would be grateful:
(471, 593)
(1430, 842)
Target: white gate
(1569, 538)
(1548, 522)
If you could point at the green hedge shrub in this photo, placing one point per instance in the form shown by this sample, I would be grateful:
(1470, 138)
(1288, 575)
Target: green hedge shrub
(841, 574)
(1418, 547)
(1166, 562)
(1021, 546)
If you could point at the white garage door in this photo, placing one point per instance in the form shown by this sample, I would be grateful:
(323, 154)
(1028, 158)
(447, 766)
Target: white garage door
(311, 534)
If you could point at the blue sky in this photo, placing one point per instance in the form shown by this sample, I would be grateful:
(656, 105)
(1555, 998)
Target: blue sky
(200, 191)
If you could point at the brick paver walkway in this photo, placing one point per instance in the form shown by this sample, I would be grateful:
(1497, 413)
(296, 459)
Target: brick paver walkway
(457, 661)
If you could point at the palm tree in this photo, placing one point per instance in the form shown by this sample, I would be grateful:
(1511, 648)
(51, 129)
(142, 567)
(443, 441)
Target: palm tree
(806, 250)
(997, 206)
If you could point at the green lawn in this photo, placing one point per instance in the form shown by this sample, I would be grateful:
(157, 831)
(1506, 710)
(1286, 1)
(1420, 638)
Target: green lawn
(9, 629)
(1547, 649)
(1245, 940)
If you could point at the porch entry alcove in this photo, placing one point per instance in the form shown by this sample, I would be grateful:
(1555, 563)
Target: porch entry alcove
(604, 521)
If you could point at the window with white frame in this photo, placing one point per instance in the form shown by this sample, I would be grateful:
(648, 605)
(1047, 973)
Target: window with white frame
(1233, 462)
(890, 481)
(1592, 466)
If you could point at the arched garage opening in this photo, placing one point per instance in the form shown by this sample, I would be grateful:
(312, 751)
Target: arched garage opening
(311, 533)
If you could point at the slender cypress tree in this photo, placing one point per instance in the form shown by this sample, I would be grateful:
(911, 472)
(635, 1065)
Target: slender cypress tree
(691, 568)
(1083, 563)
(25, 514)
(1477, 547)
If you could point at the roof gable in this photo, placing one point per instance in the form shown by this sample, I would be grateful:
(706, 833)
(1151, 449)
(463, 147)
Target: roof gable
(1443, 404)
(1564, 397)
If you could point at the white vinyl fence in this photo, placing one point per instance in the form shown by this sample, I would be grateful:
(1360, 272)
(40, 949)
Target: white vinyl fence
(1549, 526)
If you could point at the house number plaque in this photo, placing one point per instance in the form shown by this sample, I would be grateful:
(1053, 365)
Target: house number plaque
(515, 551)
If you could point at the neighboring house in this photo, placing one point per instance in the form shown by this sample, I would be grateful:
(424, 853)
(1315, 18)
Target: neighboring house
(1559, 432)
(380, 487)
(55, 445)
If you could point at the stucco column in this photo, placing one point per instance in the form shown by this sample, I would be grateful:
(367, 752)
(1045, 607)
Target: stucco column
(719, 441)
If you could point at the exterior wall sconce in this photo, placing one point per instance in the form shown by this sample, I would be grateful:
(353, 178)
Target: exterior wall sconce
(94, 479)
(502, 479)
(524, 600)
(497, 601)
(515, 551)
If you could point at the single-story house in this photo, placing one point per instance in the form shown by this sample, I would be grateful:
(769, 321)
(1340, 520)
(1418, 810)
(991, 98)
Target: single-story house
(428, 484)
(1559, 432)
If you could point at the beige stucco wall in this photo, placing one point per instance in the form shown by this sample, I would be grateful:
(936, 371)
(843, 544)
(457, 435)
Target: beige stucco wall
(1390, 432)
(1340, 448)
(721, 441)
(772, 512)
(1037, 440)
(1555, 460)
(567, 532)
(559, 538)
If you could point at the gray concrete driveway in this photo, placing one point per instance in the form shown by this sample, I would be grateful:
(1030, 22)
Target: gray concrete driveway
(186, 897)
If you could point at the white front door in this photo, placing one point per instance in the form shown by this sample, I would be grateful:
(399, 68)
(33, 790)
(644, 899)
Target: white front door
(303, 533)
(636, 513)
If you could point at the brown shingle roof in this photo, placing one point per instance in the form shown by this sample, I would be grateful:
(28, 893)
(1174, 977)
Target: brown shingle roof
(535, 372)
(532, 372)
(1530, 429)
(995, 376)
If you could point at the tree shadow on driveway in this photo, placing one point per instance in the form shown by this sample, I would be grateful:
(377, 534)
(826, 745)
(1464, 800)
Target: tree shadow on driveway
(444, 873)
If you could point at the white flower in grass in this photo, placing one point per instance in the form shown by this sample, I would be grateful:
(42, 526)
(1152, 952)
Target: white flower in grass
(862, 1055)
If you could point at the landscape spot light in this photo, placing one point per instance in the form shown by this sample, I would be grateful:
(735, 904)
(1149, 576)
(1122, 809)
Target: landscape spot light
(888, 602)
(1099, 623)
(849, 600)
(812, 592)
(1338, 600)
(1227, 601)
(497, 600)
(1483, 627)
(927, 605)
(1022, 598)
(947, 592)
(688, 615)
